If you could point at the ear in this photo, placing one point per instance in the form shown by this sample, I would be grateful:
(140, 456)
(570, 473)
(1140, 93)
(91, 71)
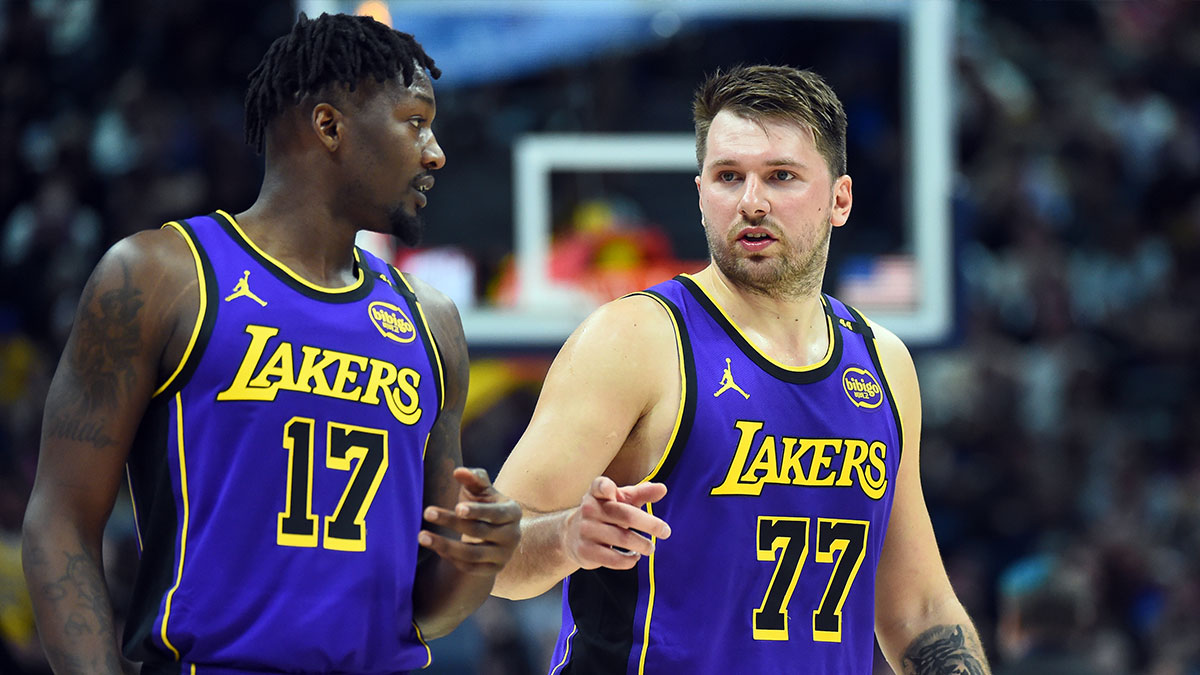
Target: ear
(843, 199)
(700, 199)
(327, 124)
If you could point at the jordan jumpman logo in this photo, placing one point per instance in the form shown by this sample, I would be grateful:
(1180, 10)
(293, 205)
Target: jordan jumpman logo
(727, 383)
(242, 290)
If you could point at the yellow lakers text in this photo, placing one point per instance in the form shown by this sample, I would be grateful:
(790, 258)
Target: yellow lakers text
(812, 462)
(260, 379)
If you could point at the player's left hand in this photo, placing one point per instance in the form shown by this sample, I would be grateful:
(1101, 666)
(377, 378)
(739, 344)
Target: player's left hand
(488, 523)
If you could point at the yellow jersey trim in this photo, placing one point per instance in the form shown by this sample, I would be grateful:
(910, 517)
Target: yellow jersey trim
(829, 328)
(187, 353)
(428, 652)
(288, 271)
(887, 386)
(649, 602)
(682, 387)
(183, 489)
(137, 525)
(566, 651)
(437, 355)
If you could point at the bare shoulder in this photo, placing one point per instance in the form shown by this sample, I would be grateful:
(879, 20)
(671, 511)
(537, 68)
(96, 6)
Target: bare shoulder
(606, 407)
(144, 275)
(129, 310)
(625, 353)
(894, 355)
(432, 299)
(635, 327)
(445, 324)
(161, 251)
(439, 309)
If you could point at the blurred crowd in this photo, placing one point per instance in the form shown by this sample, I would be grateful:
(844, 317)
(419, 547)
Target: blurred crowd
(1061, 451)
(1062, 429)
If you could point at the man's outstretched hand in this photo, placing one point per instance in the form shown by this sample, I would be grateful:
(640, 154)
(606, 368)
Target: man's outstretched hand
(610, 529)
(488, 523)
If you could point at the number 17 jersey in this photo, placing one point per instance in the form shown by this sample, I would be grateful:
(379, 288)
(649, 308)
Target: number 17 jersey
(780, 484)
(277, 477)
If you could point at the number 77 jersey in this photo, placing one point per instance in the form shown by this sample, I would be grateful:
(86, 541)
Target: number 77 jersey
(780, 484)
(277, 476)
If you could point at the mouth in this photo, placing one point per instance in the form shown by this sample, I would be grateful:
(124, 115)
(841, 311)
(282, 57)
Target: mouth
(755, 238)
(421, 185)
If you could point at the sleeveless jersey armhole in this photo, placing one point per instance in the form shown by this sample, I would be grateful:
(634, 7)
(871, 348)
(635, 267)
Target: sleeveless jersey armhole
(205, 314)
(873, 349)
(686, 413)
(400, 283)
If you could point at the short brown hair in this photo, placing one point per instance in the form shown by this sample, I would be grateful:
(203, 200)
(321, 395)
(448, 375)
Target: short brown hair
(774, 92)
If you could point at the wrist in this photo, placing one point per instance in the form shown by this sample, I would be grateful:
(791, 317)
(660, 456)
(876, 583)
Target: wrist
(568, 529)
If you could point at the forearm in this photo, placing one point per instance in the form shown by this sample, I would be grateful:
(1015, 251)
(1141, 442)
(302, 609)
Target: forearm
(539, 561)
(946, 648)
(71, 602)
(940, 641)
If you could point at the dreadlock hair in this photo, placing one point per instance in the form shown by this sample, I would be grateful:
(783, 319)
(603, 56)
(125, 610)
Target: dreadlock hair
(779, 93)
(335, 49)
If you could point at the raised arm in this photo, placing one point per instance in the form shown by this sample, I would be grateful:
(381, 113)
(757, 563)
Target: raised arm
(598, 428)
(106, 376)
(921, 625)
(475, 528)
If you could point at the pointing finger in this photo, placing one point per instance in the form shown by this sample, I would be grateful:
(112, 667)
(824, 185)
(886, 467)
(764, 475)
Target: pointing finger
(475, 481)
(642, 493)
(603, 487)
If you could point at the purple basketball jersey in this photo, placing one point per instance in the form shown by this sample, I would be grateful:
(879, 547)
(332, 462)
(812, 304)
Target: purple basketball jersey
(277, 478)
(780, 484)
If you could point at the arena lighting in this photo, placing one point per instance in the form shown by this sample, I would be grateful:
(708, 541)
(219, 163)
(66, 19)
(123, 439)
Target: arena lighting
(376, 9)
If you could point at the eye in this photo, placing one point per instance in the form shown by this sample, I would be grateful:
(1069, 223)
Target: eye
(727, 176)
(417, 121)
(783, 175)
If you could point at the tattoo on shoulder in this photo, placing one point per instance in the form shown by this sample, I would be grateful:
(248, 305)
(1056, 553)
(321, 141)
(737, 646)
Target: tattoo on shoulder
(109, 322)
(943, 650)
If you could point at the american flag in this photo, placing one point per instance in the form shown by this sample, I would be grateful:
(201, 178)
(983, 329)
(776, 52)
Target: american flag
(884, 281)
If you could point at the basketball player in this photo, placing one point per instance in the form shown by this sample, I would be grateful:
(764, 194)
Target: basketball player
(739, 493)
(287, 405)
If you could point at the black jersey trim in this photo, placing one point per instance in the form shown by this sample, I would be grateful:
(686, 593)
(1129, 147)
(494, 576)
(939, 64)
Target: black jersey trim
(401, 285)
(687, 405)
(360, 289)
(873, 350)
(150, 489)
(205, 319)
(806, 375)
(603, 603)
(150, 480)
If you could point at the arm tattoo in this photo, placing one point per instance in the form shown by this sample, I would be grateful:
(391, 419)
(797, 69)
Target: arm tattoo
(943, 650)
(80, 599)
(110, 324)
(75, 429)
(109, 339)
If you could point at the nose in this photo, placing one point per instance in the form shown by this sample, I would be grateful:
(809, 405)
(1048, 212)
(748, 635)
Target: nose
(753, 204)
(432, 156)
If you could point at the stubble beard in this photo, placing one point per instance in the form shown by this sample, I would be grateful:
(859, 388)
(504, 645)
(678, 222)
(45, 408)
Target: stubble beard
(407, 227)
(795, 274)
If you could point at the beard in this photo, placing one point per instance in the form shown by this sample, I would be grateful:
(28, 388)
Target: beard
(406, 226)
(797, 273)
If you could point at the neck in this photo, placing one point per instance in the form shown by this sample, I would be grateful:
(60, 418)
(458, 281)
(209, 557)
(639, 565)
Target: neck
(792, 330)
(294, 224)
